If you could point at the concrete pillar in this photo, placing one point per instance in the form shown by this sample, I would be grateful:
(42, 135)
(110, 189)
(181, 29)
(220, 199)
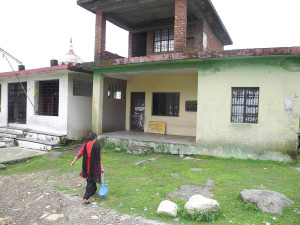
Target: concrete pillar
(198, 134)
(100, 39)
(97, 105)
(180, 25)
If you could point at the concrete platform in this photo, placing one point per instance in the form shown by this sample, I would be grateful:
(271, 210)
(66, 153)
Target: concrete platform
(148, 137)
(16, 154)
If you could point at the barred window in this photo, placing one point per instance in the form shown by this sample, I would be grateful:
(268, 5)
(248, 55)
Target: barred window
(165, 104)
(48, 97)
(164, 40)
(245, 105)
(83, 88)
(116, 92)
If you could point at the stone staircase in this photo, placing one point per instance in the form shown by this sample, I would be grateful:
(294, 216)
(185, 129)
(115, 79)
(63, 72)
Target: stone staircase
(29, 139)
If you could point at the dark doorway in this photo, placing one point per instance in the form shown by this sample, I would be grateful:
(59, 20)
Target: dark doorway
(137, 111)
(139, 44)
(17, 103)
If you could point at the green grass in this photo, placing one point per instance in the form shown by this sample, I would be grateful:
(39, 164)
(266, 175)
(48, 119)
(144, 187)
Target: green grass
(140, 190)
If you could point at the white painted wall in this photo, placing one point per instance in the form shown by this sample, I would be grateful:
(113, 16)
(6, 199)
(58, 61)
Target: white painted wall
(74, 112)
(4, 108)
(79, 110)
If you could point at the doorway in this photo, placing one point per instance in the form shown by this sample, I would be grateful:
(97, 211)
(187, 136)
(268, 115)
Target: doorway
(139, 44)
(137, 111)
(17, 103)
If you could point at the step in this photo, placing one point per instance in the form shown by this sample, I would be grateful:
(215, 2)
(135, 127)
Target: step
(34, 144)
(7, 142)
(11, 130)
(11, 135)
(49, 138)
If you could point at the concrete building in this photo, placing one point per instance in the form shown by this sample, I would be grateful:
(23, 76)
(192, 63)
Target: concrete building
(56, 100)
(239, 103)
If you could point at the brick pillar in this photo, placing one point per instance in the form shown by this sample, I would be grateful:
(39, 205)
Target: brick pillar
(129, 44)
(100, 32)
(180, 25)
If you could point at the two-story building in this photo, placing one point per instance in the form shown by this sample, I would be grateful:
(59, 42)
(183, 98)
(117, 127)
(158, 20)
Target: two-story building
(238, 103)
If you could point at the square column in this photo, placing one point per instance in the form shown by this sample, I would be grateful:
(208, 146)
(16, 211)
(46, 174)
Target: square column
(97, 104)
(180, 25)
(100, 38)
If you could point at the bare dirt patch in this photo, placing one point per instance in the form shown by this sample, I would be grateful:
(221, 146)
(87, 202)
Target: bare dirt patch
(32, 199)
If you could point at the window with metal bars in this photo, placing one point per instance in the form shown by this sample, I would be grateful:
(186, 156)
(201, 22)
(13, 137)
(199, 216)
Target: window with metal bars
(83, 88)
(116, 91)
(164, 40)
(165, 104)
(48, 97)
(245, 105)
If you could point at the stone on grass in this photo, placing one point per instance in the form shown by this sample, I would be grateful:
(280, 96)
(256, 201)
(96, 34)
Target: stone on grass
(139, 150)
(199, 203)
(2, 167)
(168, 208)
(55, 217)
(266, 200)
(298, 169)
(145, 161)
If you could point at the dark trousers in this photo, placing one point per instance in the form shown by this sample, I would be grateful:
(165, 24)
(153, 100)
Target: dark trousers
(91, 189)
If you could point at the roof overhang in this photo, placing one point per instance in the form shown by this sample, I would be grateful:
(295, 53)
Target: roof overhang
(130, 14)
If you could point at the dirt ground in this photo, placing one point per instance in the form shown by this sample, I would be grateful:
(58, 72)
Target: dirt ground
(31, 200)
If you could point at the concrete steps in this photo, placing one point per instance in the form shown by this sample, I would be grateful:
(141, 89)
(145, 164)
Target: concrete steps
(29, 139)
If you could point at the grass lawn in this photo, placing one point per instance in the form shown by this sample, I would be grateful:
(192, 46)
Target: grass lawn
(140, 190)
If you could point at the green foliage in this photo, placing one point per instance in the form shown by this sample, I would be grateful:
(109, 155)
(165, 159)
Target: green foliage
(198, 216)
(251, 206)
(139, 190)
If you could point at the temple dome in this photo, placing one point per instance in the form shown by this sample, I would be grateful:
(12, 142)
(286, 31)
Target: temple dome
(70, 57)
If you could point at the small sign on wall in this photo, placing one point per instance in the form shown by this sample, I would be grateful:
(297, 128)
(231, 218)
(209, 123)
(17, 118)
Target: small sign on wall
(191, 106)
(157, 127)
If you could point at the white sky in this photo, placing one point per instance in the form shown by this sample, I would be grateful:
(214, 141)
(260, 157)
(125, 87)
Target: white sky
(36, 31)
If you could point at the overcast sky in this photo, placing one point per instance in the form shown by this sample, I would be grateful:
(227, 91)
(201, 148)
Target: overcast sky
(36, 31)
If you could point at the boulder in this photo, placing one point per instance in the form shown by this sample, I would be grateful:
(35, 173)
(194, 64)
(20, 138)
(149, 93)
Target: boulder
(168, 208)
(199, 203)
(266, 200)
(2, 167)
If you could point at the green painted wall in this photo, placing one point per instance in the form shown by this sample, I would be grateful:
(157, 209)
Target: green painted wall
(277, 79)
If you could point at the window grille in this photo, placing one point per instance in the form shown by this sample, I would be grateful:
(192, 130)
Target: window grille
(164, 40)
(83, 88)
(245, 105)
(165, 104)
(116, 92)
(48, 97)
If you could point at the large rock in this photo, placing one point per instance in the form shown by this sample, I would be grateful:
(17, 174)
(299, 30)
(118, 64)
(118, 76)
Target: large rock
(168, 208)
(267, 201)
(2, 167)
(199, 203)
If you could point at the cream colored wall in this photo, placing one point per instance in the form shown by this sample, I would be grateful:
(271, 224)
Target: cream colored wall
(276, 129)
(185, 124)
